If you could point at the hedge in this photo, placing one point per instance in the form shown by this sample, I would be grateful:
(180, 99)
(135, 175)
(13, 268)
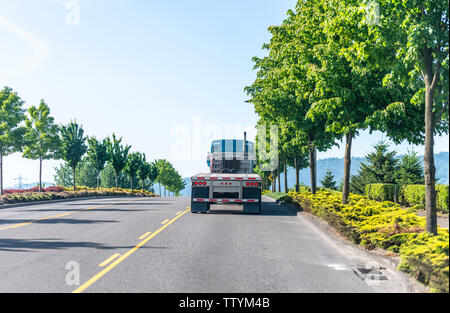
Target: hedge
(383, 192)
(409, 195)
(415, 195)
(68, 193)
(385, 225)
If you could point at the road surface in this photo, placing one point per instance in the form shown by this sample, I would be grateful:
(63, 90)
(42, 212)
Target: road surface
(158, 245)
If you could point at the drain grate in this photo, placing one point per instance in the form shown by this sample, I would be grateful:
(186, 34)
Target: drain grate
(370, 273)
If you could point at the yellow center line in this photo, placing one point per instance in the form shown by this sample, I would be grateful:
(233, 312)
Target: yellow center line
(179, 212)
(145, 235)
(58, 215)
(165, 221)
(126, 255)
(108, 260)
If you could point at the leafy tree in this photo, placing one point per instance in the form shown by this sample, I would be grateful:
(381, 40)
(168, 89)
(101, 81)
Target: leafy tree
(98, 155)
(108, 178)
(132, 166)
(41, 138)
(349, 89)
(410, 170)
(118, 155)
(86, 173)
(328, 181)
(417, 31)
(168, 177)
(284, 85)
(63, 175)
(146, 172)
(11, 134)
(163, 167)
(73, 146)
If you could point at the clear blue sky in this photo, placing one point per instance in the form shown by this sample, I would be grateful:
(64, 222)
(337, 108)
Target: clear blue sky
(166, 75)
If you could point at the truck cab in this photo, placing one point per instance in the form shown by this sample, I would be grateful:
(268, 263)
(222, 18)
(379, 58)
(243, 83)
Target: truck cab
(231, 179)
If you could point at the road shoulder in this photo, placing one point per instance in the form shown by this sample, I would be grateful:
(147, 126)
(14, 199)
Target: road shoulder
(398, 281)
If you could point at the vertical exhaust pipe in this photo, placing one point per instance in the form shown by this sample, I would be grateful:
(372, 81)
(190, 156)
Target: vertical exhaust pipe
(245, 142)
(245, 146)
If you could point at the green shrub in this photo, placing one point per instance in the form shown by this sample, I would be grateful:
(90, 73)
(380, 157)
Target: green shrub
(442, 199)
(414, 195)
(385, 225)
(383, 192)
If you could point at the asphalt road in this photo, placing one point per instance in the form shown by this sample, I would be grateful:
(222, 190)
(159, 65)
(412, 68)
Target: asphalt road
(158, 245)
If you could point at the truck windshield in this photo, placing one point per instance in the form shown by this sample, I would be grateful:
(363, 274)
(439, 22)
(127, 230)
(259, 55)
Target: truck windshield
(231, 145)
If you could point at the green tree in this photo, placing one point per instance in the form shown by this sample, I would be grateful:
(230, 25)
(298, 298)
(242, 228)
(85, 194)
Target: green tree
(98, 155)
(118, 156)
(349, 89)
(147, 172)
(86, 173)
(108, 178)
(63, 175)
(167, 176)
(11, 134)
(132, 166)
(410, 170)
(417, 31)
(381, 167)
(285, 80)
(41, 138)
(328, 181)
(73, 146)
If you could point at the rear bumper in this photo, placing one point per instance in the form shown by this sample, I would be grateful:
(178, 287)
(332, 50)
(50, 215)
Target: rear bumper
(225, 200)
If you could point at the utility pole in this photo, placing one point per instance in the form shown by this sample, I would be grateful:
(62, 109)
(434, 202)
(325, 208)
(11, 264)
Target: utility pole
(20, 179)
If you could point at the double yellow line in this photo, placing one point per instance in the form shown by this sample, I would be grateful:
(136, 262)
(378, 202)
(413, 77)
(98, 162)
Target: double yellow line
(127, 254)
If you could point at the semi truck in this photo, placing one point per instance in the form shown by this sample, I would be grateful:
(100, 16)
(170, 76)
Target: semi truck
(230, 180)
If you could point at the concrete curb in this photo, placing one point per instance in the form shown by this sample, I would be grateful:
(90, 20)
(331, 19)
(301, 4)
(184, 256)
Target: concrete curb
(14, 205)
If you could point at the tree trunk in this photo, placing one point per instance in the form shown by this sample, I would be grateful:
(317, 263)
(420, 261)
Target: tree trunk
(429, 168)
(272, 182)
(285, 179)
(1, 173)
(275, 181)
(98, 181)
(74, 172)
(347, 164)
(297, 175)
(279, 180)
(131, 183)
(117, 183)
(312, 163)
(40, 174)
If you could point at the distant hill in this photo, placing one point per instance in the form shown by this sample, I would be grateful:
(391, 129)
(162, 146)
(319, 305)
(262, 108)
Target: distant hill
(336, 165)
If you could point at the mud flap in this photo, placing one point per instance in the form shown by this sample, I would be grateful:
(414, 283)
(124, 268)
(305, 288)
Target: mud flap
(197, 207)
(252, 208)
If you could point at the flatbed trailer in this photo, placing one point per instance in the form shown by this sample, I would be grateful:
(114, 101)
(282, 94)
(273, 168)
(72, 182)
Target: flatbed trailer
(214, 188)
(231, 179)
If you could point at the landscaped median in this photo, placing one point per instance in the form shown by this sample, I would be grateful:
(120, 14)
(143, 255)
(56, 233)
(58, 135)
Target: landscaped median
(388, 226)
(61, 193)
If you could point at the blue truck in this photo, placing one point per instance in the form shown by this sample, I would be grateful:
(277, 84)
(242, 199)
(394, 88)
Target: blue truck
(231, 179)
